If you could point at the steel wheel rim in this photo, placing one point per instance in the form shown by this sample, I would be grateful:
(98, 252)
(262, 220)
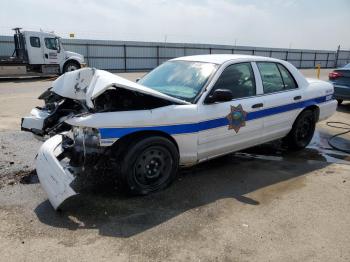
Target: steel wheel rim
(152, 167)
(71, 68)
(304, 128)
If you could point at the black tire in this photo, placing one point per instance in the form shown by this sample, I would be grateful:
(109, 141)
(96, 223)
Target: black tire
(302, 131)
(340, 101)
(71, 66)
(150, 164)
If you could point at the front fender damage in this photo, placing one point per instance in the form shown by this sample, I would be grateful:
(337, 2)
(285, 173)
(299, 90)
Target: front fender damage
(70, 159)
(67, 165)
(91, 91)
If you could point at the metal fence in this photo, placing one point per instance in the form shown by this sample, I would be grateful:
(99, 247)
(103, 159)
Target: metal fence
(144, 56)
(342, 57)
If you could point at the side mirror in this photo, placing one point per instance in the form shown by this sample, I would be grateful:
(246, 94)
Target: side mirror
(58, 45)
(219, 95)
(137, 79)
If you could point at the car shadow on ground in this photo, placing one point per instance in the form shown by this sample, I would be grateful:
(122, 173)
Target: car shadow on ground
(231, 177)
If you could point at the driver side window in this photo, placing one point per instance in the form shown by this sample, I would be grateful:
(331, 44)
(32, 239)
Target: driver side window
(239, 78)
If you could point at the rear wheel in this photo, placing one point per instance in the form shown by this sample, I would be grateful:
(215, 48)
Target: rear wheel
(149, 165)
(70, 66)
(302, 131)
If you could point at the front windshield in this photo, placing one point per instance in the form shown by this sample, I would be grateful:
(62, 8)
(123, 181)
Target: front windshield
(180, 79)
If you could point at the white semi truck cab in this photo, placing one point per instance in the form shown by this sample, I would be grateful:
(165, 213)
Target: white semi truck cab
(39, 53)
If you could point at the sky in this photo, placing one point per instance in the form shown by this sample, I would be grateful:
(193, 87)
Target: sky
(306, 24)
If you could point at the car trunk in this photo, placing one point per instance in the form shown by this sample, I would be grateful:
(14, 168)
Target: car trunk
(343, 78)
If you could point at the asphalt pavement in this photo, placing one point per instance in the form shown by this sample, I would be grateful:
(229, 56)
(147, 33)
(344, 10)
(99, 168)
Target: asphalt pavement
(262, 204)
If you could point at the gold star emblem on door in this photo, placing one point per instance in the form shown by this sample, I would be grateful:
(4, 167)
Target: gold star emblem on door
(236, 118)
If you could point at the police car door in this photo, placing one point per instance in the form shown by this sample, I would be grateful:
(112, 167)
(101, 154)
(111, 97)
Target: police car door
(231, 125)
(281, 93)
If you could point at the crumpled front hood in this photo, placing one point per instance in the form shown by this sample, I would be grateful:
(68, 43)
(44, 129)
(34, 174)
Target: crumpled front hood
(88, 83)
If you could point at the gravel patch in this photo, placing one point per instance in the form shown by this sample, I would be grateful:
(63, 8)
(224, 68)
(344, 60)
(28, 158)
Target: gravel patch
(17, 152)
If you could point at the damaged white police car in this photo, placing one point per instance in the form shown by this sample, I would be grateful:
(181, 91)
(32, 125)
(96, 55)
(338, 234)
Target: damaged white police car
(186, 111)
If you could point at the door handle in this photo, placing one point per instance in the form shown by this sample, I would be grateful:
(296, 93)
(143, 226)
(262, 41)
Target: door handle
(258, 105)
(46, 56)
(297, 97)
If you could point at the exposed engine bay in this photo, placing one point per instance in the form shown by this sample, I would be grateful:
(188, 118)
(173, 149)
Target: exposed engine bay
(119, 99)
(85, 91)
(57, 109)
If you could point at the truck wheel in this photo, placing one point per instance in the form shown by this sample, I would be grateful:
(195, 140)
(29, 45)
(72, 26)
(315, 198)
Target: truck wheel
(302, 131)
(70, 66)
(149, 165)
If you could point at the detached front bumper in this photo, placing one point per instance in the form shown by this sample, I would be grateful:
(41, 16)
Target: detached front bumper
(54, 175)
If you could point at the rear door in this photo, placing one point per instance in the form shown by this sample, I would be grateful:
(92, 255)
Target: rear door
(281, 94)
(226, 126)
(34, 45)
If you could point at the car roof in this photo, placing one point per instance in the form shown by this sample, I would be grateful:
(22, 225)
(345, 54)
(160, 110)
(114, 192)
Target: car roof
(222, 58)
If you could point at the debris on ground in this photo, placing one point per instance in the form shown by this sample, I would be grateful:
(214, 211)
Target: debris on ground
(19, 167)
(23, 177)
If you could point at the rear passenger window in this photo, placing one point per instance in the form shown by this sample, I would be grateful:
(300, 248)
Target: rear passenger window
(239, 78)
(275, 77)
(288, 80)
(34, 41)
(271, 77)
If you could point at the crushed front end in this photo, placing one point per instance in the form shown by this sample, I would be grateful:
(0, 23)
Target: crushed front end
(49, 119)
(66, 161)
(77, 105)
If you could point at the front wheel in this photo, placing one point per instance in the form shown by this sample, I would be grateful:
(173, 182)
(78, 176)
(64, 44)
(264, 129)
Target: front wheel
(302, 131)
(149, 165)
(70, 66)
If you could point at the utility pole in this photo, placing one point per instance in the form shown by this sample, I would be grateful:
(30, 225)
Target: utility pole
(336, 57)
(165, 39)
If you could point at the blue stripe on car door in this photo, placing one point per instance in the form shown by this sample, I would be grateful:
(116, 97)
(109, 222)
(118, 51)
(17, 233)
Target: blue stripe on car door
(117, 132)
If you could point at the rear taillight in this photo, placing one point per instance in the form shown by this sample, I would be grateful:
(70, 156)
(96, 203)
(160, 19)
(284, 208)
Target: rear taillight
(334, 75)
